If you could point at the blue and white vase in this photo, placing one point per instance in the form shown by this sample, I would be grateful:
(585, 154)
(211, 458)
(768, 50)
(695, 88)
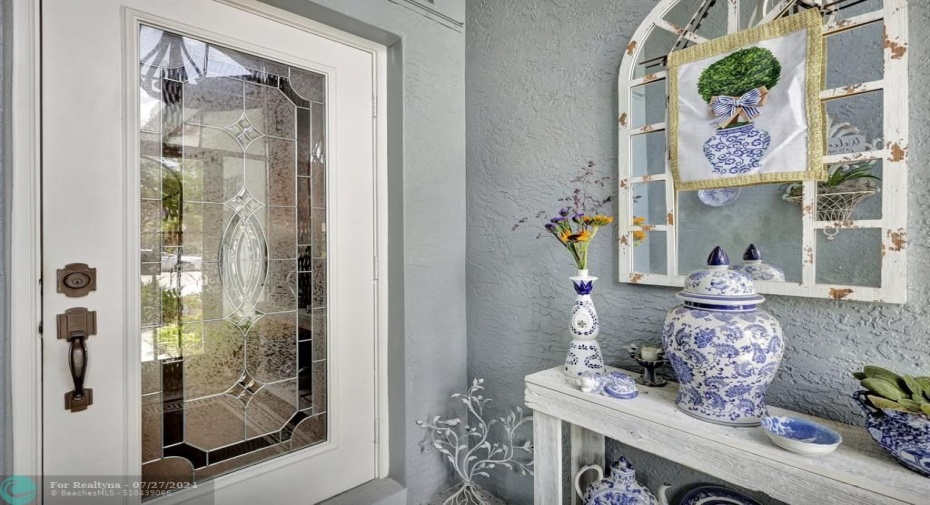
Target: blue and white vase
(755, 269)
(724, 350)
(737, 151)
(584, 355)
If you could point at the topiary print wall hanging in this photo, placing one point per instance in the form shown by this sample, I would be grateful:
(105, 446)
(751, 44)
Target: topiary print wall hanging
(744, 109)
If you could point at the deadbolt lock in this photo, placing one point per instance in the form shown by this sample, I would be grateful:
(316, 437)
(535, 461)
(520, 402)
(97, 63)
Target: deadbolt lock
(77, 279)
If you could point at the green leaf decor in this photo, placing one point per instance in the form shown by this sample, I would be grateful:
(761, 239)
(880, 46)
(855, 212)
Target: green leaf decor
(740, 72)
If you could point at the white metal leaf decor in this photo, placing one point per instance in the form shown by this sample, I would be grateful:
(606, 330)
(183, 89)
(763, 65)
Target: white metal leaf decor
(468, 447)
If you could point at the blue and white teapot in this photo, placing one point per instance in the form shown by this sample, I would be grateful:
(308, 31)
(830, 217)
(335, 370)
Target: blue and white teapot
(620, 488)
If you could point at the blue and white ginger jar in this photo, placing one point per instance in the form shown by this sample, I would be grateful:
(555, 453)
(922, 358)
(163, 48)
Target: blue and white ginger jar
(620, 488)
(738, 150)
(724, 350)
(755, 269)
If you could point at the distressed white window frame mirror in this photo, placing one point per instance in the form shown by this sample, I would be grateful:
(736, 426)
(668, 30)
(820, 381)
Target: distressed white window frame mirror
(892, 152)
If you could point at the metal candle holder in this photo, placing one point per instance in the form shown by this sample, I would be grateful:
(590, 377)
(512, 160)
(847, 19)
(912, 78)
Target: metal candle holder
(649, 377)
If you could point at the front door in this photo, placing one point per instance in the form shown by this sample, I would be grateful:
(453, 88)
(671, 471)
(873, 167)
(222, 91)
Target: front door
(216, 169)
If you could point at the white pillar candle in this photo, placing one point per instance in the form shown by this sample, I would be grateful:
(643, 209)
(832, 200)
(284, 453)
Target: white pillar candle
(648, 353)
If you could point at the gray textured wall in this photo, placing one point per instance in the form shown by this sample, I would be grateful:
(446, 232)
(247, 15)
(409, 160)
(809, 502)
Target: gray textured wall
(541, 100)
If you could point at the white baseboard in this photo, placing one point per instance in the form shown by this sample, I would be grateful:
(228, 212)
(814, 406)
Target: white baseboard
(373, 492)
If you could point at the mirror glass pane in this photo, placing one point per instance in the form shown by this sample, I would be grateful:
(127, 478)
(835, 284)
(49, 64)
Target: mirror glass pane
(233, 252)
(649, 203)
(758, 215)
(647, 104)
(650, 253)
(852, 8)
(711, 22)
(854, 56)
(652, 58)
(648, 153)
(850, 257)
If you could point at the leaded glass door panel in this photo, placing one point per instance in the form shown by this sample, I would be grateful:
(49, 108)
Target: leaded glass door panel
(228, 222)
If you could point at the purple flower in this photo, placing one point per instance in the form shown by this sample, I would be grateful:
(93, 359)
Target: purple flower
(564, 212)
(557, 219)
(550, 226)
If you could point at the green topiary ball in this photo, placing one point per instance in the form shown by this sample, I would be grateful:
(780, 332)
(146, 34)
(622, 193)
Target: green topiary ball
(740, 72)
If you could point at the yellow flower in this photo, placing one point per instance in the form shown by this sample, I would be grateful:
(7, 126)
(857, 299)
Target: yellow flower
(564, 236)
(598, 220)
(638, 220)
(639, 236)
(581, 236)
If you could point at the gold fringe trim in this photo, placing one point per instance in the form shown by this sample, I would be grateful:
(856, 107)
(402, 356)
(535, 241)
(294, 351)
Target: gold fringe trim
(810, 20)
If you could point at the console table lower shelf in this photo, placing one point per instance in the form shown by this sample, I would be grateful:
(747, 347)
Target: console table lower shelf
(858, 472)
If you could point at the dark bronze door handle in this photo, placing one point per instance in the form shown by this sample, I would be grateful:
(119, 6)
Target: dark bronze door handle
(75, 325)
(77, 362)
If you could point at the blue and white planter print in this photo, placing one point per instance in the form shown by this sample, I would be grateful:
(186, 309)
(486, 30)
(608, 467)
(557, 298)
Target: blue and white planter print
(737, 151)
(905, 435)
(584, 354)
(724, 350)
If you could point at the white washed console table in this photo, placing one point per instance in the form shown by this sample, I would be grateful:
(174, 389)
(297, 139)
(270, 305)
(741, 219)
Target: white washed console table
(858, 472)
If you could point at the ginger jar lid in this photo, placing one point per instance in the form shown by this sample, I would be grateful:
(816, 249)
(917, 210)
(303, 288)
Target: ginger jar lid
(755, 269)
(718, 288)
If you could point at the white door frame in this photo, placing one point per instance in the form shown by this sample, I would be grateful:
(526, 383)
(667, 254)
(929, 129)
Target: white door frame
(25, 220)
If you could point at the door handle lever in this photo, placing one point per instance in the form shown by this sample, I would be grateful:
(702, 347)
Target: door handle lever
(77, 362)
(75, 326)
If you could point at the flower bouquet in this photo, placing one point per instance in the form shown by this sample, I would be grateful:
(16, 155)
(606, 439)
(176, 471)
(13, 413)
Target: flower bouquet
(575, 232)
(575, 225)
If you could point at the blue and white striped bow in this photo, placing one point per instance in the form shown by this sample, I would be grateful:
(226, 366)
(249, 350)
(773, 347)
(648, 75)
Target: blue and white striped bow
(725, 107)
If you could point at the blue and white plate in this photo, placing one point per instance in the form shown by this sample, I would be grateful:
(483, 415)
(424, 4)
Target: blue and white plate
(718, 197)
(716, 495)
(800, 435)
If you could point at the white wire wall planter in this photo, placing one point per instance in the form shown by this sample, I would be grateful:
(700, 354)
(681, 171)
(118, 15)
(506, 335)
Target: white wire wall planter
(837, 204)
(642, 129)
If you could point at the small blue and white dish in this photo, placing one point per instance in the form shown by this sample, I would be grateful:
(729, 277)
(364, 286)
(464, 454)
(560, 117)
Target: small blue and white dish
(620, 385)
(716, 495)
(718, 197)
(801, 436)
(614, 384)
